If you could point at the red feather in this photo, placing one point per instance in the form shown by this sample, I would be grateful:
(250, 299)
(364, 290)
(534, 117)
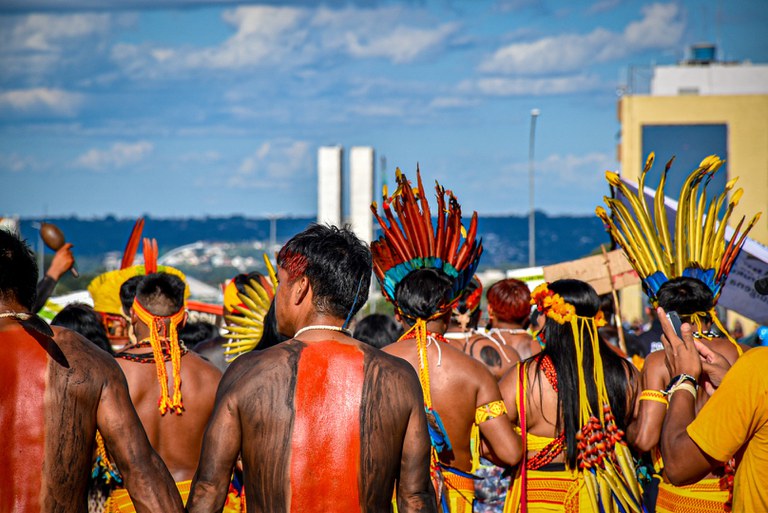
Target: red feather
(129, 253)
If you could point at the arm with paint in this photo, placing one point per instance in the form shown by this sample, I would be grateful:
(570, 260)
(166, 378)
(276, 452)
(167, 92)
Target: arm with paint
(145, 476)
(414, 488)
(221, 445)
(505, 445)
(651, 406)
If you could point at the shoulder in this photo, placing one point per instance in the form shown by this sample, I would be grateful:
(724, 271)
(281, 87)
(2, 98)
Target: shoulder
(724, 347)
(754, 361)
(81, 350)
(202, 367)
(85, 360)
(265, 366)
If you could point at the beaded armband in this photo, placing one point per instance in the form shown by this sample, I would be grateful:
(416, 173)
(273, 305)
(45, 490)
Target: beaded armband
(653, 395)
(489, 411)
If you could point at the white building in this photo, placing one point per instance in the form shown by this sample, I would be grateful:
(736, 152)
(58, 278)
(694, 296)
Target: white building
(329, 185)
(361, 191)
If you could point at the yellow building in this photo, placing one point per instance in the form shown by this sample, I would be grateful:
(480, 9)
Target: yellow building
(699, 108)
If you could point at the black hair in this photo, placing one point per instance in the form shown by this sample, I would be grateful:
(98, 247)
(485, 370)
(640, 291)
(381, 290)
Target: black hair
(241, 280)
(420, 294)
(18, 271)
(378, 330)
(561, 348)
(270, 336)
(84, 320)
(128, 292)
(192, 333)
(161, 293)
(685, 296)
(337, 264)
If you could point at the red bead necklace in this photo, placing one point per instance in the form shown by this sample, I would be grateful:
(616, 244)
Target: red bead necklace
(147, 357)
(556, 446)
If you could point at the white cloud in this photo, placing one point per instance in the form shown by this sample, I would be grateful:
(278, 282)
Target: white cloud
(37, 46)
(378, 110)
(575, 169)
(453, 102)
(41, 100)
(502, 86)
(660, 27)
(118, 155)
(17, 163)
(46, 33)
(291, 37)
(402, 44)
(274, 164)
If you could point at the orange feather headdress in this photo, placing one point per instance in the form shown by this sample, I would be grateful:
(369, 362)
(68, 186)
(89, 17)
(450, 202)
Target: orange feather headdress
(410, 241)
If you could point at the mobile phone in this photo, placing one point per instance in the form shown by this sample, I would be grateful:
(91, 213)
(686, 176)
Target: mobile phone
(674, 319)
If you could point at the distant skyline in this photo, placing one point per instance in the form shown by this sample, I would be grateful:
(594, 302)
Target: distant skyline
(179, 108)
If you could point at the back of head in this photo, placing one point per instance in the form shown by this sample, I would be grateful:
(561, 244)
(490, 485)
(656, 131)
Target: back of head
(84, 320)
(685, 296)
(377, 330)
(420, 294)
(18, 271)
(128, 292)
(560, 343)
(161, 294)
(561, 348)
(510, 300)
(195, 332)
(337, 265)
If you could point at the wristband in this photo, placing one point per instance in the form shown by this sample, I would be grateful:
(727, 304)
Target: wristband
(682, 378)
(684, 385)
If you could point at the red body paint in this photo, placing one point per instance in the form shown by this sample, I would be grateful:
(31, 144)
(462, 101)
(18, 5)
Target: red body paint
(325, 445)
(22, 419)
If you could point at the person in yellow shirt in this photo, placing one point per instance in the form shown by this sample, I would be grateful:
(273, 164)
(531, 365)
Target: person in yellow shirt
(734, 422)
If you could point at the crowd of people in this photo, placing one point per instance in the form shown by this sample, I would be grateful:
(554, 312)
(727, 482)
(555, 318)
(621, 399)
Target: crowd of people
(466, 399)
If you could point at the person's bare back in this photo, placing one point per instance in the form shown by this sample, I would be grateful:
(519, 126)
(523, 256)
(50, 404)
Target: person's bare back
(494, 352)
(325, 425)
(57, 391)
(458, 385)
(178, 439)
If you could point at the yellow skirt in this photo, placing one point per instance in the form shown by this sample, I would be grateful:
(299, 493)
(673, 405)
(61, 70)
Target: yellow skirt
(459, 492)
(120, 501)
(558, 491)
(706, 496)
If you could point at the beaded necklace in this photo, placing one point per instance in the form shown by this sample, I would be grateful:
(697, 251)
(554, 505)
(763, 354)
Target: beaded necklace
(148, 357)
(556, 446)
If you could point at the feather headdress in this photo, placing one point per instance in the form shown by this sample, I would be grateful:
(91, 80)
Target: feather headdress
(105, 288)
(410, 241)
(247, 312)
(697, 248)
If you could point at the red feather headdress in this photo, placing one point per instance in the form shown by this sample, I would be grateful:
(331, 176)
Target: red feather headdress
(410, 241)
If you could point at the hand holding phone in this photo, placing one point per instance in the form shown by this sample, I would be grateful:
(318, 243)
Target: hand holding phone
(674, 319)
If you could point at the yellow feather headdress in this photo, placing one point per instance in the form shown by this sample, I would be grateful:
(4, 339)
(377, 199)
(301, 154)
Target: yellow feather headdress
(247, 320)
(698, 247)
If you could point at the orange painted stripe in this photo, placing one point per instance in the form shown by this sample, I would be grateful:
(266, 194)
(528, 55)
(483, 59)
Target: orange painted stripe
(325, 444)
(22, 419)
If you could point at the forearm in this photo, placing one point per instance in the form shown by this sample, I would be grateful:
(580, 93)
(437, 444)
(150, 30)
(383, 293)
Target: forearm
(684, 462)
(644, 433)
(423, 501)
(206, 496)
(151, 486)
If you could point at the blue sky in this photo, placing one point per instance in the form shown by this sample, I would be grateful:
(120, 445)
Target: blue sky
(192, 108)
